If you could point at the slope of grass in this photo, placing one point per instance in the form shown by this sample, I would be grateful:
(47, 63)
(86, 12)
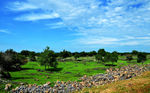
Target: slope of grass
(139, 84)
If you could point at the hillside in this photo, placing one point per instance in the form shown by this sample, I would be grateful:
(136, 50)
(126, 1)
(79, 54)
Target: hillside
(139, 84)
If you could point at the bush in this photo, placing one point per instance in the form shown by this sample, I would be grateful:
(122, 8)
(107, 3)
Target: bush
(10, 60)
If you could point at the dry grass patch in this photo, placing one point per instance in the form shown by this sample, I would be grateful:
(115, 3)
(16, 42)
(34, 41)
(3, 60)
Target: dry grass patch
(139, 84)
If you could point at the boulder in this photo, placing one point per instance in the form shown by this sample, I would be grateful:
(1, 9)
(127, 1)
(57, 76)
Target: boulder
(7, 87)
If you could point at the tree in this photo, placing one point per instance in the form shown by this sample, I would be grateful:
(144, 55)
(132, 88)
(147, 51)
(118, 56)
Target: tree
(65, 54)
(32, 58)
(99, 57)
(102, 52)
(92, 53)
(141, 57)
(48, 58)
(9, 61)
(134, 52)
(129, 57)
(10, 51)
(83, 54)
(25, 53)
(1, 59)
(76, 56)
(114, 57)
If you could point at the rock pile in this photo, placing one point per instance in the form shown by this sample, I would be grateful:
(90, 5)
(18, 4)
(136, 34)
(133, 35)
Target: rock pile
(111, 75)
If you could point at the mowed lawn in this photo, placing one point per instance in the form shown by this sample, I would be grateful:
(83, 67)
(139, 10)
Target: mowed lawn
(65, 71)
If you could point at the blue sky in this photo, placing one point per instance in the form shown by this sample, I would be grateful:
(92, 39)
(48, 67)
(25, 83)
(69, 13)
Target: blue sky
(75, 25)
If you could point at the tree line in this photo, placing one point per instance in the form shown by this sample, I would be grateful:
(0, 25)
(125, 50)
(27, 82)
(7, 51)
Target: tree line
(11, 60)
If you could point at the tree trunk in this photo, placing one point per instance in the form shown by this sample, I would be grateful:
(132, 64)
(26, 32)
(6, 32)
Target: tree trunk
(45, 66)
(142, 62)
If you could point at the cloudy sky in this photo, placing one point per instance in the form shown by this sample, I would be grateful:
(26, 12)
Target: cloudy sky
(75, 25)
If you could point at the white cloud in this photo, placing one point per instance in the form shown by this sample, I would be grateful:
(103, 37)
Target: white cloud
(21, 6)
(102, 40)
(130, 43)
(123, 22)
(56, 25)
(34, 17)
(117, 9)
(4, 31)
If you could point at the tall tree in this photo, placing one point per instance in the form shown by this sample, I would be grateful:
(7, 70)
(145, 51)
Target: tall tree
(76, 56)
(114, 57)
(129, 57)
(134, 52)
(48, 58)
(101, 55)
(99, 58)
(102, 52)
(141, 57)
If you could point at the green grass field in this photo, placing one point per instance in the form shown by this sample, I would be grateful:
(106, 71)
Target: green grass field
(65, 71)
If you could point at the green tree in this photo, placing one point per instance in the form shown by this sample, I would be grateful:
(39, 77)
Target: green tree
(134, 52)
(9, 61)
(83, 54)
(10, 51)
(76, 56)
(92, 53)
(141, 57)
(25, 53)
(48, 58)
(65, 54)
(99, 58)
(102, 52)
(129, 57)
(32, 58)
(114, 57)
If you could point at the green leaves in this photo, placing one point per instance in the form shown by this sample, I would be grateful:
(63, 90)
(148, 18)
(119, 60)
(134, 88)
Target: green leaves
(106, 56)
(48, 57)
(141, 57)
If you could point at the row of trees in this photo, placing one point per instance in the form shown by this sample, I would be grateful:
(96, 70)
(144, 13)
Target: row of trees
(141, 57)
(48, 57)
(103, 56)
(64, 54)
(11, 60)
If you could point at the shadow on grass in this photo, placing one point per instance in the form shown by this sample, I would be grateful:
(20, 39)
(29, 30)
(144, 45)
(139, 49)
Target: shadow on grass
(15, 78)
(27, 68)
(110, 65)
(54, 69)
(15, 70)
